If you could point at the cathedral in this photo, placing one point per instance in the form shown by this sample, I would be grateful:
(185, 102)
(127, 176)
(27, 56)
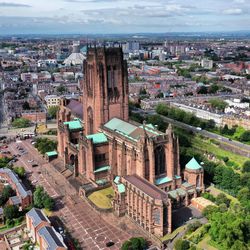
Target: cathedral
(97, 140)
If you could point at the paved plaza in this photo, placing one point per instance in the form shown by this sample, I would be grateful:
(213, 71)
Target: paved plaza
(84, 223)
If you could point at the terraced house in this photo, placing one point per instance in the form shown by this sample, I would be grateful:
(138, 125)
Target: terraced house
(97, 140)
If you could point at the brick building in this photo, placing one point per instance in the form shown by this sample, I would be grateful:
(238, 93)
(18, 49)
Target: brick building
(23, 197)
(100, 143)
(41, 231)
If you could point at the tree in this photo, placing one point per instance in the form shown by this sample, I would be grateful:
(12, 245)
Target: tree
(6, 194)
(20, 171)
(61, 89)
(48, 202)
(245, 136)
(21, 123)
(52, 111)
(218, 103)
(222, 199)
(44, 145)
(11, 212)
(181, 245)
(246, 167)
(38, 197)
(42, 200)
(26, 106)
(138, 243)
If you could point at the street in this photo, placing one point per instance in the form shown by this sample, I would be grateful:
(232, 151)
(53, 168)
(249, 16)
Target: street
(85, 224)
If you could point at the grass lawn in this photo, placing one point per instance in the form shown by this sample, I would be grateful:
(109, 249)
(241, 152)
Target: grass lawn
(102, 198)
(205, 145)
(204, 244)
(215, 191)
(173, 234)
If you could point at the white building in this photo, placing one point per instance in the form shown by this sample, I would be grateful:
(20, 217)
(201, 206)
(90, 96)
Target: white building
(201, 113)
(207, 64)
(52, 100)
(237, 104)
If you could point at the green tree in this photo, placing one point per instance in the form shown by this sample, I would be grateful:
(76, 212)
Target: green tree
(20, 171)
(6, 194)
(38, 197)
(246, 167)
(61, 89)
(52, 111)
(181, 245)
(138, 243)
(218, 103)
(21, 123)
(44, 145)
(245, 136)
(222, 199)
(48, 202)
(11, 212)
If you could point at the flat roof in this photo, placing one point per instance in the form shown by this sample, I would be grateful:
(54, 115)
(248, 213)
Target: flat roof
(51, 153)
(74, 125)
(98, 138)
(146, 187)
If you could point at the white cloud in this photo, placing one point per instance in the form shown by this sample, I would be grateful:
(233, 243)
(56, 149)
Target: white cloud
(233, 11)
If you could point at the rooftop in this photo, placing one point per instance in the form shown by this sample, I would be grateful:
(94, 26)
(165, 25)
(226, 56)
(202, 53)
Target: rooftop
(37, 216)
(51, 153)
(50, 236)
(20, 188)
(162, 180)
(98, 138)
(193, 164)
(146, 187)
(131, 131)
(74, 125)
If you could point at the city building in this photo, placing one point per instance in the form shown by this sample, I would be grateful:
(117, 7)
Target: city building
(23, 197)
(52, 100)
(100, 143)
(207, 64)
(41, 231)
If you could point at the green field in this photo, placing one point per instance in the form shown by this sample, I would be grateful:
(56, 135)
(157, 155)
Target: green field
(102, 198)
(207, 146)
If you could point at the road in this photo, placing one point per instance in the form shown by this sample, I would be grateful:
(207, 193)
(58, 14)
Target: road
(85, 224)
(241, 148)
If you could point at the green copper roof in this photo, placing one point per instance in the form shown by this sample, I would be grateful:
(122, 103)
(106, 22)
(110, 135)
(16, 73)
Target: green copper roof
(162, 180)
(102, 169)
(98, 138)
(121, 188)
(117, 180)
(51, 153)
(193, 164)
(74, 125)
(120, 125)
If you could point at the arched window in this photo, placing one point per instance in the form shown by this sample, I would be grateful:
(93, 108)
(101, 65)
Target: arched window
(90, 121)
(197, 181)
(160, 161)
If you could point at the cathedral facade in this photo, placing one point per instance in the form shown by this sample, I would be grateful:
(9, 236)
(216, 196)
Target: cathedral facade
(97, 140)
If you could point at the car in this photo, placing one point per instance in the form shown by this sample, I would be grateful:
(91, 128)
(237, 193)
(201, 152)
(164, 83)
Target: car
(29, 161)
(199, 128)
(110, 244)
(34, 182)
(34, 165)
(60, 229)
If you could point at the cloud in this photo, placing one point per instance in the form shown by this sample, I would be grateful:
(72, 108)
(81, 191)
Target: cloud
(14, 5)
(239, 1)
(233, 11)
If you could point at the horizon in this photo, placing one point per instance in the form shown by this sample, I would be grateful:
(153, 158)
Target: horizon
(122, 17)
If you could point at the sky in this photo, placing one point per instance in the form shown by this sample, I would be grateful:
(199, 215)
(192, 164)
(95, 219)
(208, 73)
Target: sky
(122, 16)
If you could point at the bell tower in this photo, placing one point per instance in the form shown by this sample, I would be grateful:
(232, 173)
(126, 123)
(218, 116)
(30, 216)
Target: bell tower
(105, 87)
